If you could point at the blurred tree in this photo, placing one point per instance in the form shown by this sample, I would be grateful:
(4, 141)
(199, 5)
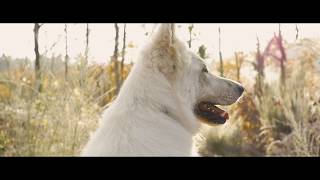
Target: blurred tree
(190, 28)
(239, 58)
(275, 49)
(115, 57)
(37, 60)
(87, 43)
(84, 61)
(6, 61)
(123, 52)
(259, 67)
(220, 55)
(66, 58)
(297, 32)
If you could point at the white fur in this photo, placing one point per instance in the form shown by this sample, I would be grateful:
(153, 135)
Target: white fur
(153, 113)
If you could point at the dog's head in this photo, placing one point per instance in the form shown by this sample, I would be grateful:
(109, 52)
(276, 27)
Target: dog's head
(189, 77)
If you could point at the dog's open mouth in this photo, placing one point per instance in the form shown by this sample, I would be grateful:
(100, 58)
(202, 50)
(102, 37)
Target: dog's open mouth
(210, 114)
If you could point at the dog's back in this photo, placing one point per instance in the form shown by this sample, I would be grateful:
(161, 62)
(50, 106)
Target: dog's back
(140, 132)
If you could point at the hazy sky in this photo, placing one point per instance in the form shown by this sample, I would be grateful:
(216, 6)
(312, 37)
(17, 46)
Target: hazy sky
(17, 39)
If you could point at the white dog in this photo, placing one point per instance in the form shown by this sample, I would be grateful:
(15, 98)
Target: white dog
(158, 109)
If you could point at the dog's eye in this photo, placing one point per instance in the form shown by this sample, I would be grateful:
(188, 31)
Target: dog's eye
(204, 69)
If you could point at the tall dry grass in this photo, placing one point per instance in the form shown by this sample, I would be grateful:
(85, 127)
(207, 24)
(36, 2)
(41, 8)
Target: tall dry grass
(58, 121)
(282, 120)
(277, 120)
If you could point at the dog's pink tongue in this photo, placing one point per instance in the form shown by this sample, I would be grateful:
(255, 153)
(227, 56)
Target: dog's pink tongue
(220, 112)
(209, 107)
(225, 115)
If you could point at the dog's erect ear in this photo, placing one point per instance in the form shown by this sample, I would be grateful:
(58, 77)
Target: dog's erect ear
(165, 50)
(165, 35)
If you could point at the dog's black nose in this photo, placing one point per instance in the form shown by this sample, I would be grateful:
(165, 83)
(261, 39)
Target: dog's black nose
(240, 89)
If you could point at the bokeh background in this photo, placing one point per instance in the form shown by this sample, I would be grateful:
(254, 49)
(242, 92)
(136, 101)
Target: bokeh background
(56, 79)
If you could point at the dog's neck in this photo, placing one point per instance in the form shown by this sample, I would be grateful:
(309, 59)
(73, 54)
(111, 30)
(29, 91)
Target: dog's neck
(175, 116)
(162, 98)
(183, 113)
